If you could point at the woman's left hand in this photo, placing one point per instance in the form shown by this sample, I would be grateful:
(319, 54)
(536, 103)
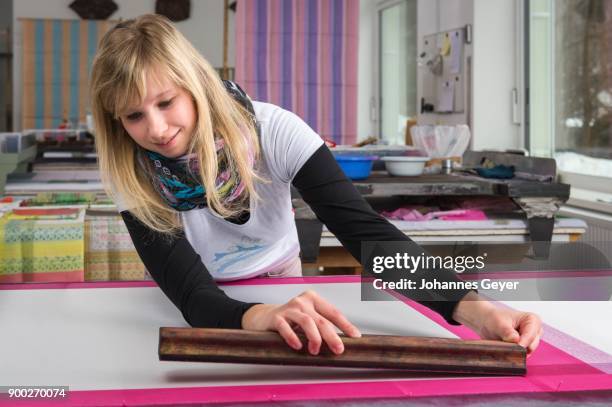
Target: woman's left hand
(492, 322)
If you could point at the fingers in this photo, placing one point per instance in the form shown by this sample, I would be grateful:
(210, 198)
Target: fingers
(529, 327)
(333, 315)
(326, 316)
(536, 342)
(318, 319)
(509, 334)
(317, 329)
(329, 334)
(308, 325)
(522, 328)
(287, 333)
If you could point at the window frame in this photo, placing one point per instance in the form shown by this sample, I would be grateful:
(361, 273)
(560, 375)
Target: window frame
(376, 103)
(594, 191)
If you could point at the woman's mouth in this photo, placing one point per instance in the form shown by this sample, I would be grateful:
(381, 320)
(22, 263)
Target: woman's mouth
(170, 142)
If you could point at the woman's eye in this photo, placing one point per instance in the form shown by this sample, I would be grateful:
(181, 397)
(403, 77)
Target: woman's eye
(134, 116)
(165, 103)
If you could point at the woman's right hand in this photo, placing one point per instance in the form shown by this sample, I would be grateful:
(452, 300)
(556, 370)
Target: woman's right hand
(309, 312)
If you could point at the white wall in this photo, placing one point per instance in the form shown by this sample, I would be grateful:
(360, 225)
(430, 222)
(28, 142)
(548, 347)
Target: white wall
(366, 124)
(494, 75)
(204, 29)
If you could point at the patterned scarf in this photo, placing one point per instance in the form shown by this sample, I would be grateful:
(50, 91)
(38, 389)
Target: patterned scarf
(178, 181)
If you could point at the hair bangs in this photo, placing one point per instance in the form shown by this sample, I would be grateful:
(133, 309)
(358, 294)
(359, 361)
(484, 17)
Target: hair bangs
(130, 90)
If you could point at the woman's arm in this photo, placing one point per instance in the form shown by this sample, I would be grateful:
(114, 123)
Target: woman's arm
(336, 202)
(179, 272)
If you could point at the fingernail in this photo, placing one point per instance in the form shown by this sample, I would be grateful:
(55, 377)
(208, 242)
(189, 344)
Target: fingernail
(297, 346)
(338, 349)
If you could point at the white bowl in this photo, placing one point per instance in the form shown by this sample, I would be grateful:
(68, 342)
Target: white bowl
(405, 166)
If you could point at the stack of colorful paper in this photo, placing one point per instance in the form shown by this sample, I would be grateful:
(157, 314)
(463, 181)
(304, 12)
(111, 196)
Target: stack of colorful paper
(110, 253)
(42, 245)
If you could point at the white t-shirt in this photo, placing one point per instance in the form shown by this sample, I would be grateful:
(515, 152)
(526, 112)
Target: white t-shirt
(268, 240)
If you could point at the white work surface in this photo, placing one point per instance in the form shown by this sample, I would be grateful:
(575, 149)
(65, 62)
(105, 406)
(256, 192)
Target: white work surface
(107, 338)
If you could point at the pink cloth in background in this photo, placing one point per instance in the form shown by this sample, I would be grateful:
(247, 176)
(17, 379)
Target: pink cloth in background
(462, 214)
(302, 56)
(416, 215)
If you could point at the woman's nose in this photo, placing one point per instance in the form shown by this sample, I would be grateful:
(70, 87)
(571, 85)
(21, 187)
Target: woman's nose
(157, 127)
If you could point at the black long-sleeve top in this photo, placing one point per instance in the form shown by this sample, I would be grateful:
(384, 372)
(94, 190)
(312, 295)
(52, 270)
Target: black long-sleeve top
(182, 276)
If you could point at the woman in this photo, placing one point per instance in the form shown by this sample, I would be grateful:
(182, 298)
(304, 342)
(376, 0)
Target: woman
(202, 178)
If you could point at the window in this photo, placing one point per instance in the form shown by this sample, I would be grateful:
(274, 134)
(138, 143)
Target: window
(570, 89)
(398, 68)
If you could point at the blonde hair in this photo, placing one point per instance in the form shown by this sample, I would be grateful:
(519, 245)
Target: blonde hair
(126, 54)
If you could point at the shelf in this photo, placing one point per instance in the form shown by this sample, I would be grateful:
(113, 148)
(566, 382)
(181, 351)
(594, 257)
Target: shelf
(12, 162)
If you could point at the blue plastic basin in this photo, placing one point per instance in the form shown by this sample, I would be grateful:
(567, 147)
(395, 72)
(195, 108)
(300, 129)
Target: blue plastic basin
(355, 166)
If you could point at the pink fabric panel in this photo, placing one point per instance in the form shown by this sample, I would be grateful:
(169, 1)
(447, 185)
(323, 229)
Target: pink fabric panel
(298, 60)
(316, 78)
(324, 97)
(350, 62)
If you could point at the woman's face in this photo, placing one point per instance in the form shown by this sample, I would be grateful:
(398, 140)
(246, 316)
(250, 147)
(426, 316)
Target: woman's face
(164, 120)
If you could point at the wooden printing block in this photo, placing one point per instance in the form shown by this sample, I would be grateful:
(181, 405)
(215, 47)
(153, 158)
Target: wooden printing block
(411, 353)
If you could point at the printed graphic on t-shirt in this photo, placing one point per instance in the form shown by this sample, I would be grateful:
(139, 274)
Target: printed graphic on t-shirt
(237, 253)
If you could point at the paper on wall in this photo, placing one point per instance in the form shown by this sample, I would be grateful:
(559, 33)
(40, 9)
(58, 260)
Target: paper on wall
(446, 46)
(455, 54)
(446, 96)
